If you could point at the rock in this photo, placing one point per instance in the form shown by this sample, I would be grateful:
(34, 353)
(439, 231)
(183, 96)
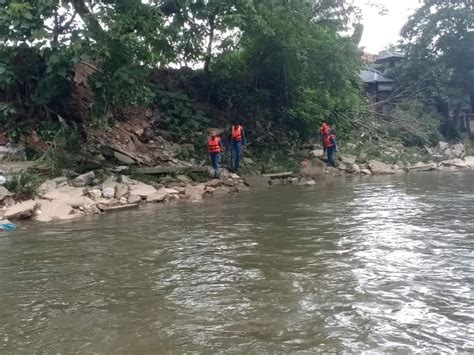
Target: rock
(142, 190)
(109, 183)
(127, 181)
(175, 184)
(158, 196)
(84, 179)
(3, 179)
(184, 178)
(123, 158)
(355, 169)
(366, 172)
(195, 193)
(257, 181)
(294, 181)
(209, 190)
(234, 176)
(3, 193)
(61, 181)
(123, 201)
(347, 159)
(22, 210)
(455, 151)
(317, 153)
(380, 168)
(223, 190)
(313, 168)
(442, 146)
(469, 160)
(95, 193)
(309, 182)
(121, 190)
(458, 163)
(134, 199)
(55, 210)
(420, 166)
(108, 192)
(362, 157)
(180, 189)
(47, 186)
(242, 188)
(214, 183)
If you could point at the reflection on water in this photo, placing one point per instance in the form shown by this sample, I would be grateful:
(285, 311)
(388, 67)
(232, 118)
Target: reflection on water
(381, 264)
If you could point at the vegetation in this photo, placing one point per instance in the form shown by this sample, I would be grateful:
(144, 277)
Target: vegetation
(24, 184)
(284, 66)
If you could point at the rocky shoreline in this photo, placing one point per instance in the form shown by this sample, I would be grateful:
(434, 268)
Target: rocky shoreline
(62, 198)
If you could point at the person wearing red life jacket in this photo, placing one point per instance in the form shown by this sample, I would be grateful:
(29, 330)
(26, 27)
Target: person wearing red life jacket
(237, 142)
(325, 128)
(330, 145)
(214, 147)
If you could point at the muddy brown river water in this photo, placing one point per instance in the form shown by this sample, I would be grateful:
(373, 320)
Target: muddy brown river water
(382, 264)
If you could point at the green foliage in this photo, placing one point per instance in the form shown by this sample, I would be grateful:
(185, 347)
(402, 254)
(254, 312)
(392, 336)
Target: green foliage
(179, 115)
(439, 43)
(63, 153)
(415, 124)
(23, 184)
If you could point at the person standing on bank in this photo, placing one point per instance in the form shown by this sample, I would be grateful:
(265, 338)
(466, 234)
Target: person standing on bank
(330, 145)
(214, 147)
(237, 142)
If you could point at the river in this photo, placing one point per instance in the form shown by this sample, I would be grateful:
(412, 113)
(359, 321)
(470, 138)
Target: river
(373, 264)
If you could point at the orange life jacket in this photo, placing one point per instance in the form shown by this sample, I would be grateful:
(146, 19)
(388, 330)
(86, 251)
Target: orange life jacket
(327, 141)
(237, 133)
(214, 145)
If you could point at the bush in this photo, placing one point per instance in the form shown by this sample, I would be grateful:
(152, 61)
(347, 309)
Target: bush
(23, 184)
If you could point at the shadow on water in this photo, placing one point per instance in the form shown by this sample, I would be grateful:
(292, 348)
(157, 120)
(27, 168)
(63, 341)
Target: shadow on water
(379, 264)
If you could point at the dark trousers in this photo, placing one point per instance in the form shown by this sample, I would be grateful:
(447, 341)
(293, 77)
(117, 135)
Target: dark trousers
(235, 154)
(216, 164)
(330, 152)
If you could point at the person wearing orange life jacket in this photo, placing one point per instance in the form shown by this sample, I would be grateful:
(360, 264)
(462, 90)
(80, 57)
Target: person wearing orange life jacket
(330, 145)
(214, 147)
(237, 142)
(325, 128)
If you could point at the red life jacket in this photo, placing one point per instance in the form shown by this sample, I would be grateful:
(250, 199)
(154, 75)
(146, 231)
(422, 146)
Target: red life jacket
(328, 140)
(237, 133)
(214, 145)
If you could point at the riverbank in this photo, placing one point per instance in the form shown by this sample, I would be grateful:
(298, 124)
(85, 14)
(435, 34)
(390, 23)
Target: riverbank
(64, 198)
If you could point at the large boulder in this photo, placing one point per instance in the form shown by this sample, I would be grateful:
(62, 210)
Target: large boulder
(347, 159)
(108, 192)
(469, 160)
(455, 151)
(84, 179)
(55, 210)
(47, 186)
(379, 168)
(121, 190)
(142, 190)
(458, 163)
(257, 181)
(22, 210)
(355, 169)
(422, 167)
(312, 168)
(316, 153)
(133, 199)
(214, 183)
(125, 159)
(195, 193)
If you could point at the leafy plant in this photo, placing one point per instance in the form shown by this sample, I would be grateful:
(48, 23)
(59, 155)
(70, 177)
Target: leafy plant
(23, 184)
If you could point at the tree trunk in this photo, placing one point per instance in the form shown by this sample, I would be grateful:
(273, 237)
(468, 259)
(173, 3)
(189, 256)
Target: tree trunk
(92, 23)
(207, 59)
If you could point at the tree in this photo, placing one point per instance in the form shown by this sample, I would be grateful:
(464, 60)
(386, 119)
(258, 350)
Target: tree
(439, 42)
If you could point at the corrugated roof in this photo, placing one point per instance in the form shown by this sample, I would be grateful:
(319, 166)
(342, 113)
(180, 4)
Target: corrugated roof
(388, 54)
(372, 76)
